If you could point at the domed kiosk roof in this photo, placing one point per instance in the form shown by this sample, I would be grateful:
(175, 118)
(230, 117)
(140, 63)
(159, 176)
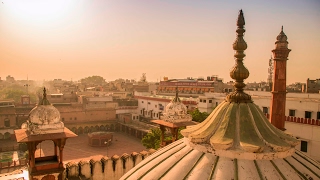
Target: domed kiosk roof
(176, 111)
(236, 141)
(44, 113)
(43, 123)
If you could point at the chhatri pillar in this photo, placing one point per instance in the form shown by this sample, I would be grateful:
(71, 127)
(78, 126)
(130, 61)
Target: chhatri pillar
(44, 124)
(278, 101)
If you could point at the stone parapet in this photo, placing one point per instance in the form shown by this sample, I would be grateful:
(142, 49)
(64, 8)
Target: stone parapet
(106, 168)
(309, 121)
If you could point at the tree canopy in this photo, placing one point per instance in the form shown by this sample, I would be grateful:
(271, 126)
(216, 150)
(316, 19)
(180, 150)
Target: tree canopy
(199, 116)
(96, 80)
(153, 138)
(15, 92)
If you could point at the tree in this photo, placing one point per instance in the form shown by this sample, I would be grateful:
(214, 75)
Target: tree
(199, 116)
(16, 94)
(153, 138)
(96, 80)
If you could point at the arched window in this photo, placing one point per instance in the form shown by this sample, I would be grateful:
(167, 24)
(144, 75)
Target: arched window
(6, 123)
(7, 135)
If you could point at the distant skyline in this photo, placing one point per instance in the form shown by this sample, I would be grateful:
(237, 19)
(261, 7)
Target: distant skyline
(74, 39)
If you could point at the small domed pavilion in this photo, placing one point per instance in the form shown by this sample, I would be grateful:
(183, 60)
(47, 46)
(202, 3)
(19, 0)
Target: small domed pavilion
(44, 124)
(174, 117)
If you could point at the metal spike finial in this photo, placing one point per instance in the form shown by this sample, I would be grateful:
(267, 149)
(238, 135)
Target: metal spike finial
(177, 92)
(44, 93)
(282, 36)
(176, 98)
(44, 100)
(239, 72)
(240, 21)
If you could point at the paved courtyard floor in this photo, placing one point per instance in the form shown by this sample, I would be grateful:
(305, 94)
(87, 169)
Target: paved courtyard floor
(77, 148)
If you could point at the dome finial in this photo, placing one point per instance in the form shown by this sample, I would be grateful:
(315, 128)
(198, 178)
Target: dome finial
(239, 72)
(44, 93)
(240, 21)
(44, 100)
(176, 98)
(282, 37)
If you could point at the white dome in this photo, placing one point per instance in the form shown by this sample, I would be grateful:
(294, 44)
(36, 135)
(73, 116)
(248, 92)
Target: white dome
(44, 114)
(44, 118)
(176, 111)
(176, 108)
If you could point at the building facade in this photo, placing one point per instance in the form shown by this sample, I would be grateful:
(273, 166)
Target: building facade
(311, 86)
(152, 106)
(7, 119)
(297, 104)
(191, 86)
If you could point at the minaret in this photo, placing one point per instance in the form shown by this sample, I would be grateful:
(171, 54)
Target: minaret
(278, 101)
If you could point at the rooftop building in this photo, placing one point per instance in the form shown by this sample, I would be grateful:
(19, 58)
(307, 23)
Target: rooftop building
(312, 86)
(193, 87)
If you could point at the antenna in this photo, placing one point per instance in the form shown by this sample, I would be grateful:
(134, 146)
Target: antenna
(27, 85)
(270, 71)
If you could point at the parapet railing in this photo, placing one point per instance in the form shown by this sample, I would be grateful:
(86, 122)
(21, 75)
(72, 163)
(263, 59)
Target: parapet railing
(300, 120)
(9, 164)
(105, 168)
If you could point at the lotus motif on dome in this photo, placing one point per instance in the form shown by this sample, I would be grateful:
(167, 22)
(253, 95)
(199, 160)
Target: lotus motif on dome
(176, 111)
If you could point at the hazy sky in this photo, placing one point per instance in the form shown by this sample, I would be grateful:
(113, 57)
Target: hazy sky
(73, 39)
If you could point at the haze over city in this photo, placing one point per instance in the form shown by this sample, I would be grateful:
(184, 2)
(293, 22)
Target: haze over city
(177, 39)
(80, 96)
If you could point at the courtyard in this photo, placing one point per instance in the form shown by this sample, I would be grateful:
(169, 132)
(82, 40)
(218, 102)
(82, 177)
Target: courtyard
(77, 148)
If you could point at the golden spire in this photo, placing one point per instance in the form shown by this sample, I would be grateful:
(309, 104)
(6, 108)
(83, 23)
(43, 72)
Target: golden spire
(239, 72)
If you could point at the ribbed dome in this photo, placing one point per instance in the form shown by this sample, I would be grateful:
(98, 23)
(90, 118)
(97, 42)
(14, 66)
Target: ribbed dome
(243, 130)
(181, 161)
(235, 142)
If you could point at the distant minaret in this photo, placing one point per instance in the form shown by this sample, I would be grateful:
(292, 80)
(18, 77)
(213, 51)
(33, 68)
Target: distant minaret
(278, 101)
(270, 73)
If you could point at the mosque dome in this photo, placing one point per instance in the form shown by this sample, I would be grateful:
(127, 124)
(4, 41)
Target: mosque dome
(236, 141)
(44, 118)
(44, 114)
(176, 111)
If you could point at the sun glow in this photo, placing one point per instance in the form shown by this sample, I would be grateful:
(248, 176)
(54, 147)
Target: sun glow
(39, 11)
